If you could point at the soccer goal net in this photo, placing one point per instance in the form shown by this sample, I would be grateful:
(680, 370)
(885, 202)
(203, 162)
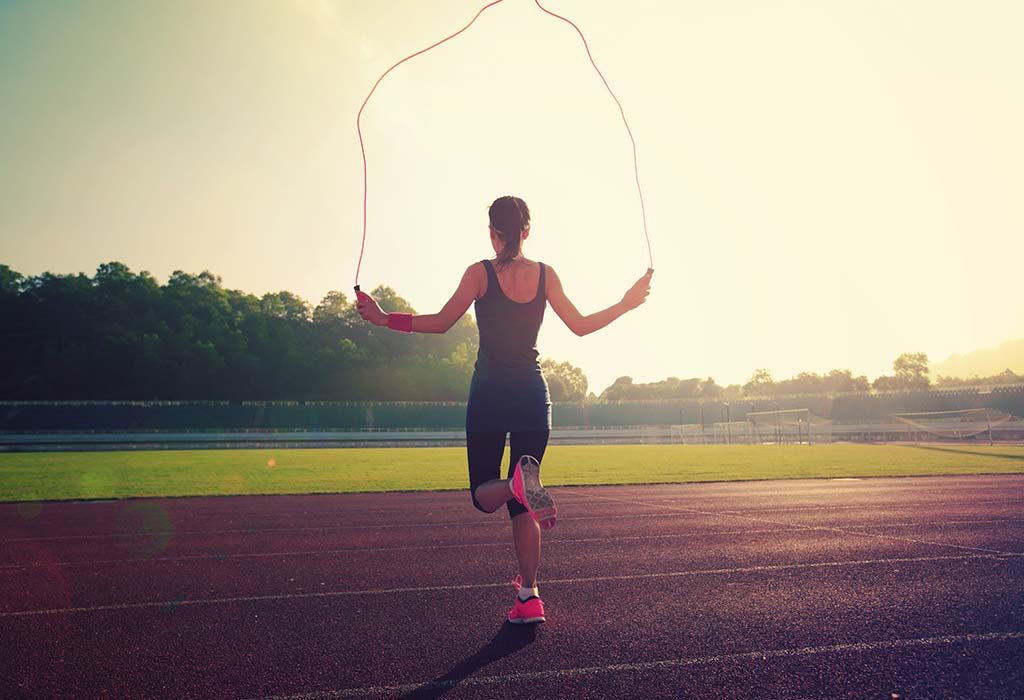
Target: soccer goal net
(791, 425)
(962, 424)
(729, 432)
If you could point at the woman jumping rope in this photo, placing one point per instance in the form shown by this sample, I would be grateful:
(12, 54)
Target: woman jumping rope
(508, 394)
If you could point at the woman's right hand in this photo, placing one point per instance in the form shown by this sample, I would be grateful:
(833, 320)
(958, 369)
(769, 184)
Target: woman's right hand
(637, 294)
(370, 310)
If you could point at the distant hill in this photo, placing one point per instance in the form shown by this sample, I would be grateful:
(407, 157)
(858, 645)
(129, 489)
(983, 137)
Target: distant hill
(983, 363)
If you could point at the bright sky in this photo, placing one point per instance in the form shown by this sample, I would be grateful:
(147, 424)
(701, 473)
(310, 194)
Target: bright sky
(827, 184)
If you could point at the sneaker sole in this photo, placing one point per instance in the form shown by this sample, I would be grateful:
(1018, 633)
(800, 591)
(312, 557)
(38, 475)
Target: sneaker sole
(527, 621)
(537, 499)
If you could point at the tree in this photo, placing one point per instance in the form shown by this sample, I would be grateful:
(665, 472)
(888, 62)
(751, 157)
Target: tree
(911, 369)
(759, 384)
(122, 335)
(10, 282)
(910, 372)
(709, 389)
(842, 380)
(803, 383)
(619, 389)
(334, 306)
(204, 280)
(566, 382)
(623, 389)
(886, 383)
(1007, 376)
(285, 305)
(732, 392)
(113, 273)
(671, 388)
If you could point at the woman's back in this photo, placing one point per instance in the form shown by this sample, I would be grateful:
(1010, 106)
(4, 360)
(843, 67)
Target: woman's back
(509, 316)
(519, 280)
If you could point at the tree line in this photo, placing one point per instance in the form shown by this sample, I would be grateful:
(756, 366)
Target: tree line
(910, 373)
(121, 335)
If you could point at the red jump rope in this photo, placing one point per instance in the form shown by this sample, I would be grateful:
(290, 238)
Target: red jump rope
(636, 169)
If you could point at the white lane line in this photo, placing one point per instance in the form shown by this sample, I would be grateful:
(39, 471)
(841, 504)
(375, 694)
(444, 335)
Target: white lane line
(763, 568)
(435, 502)
(662, 665)
(239, 531)
(493, 522)
(590, 497)
(900, 505)
(548, 542)
(944, 523)
(874, 505)
(825, 528)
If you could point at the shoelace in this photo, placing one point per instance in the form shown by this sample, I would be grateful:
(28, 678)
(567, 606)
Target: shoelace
(517, 583)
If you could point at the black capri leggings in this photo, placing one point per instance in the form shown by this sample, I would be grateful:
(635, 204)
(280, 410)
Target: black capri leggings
(486, 451)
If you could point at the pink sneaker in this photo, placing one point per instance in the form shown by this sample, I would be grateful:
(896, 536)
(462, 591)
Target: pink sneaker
(528, 490)
(525, 612)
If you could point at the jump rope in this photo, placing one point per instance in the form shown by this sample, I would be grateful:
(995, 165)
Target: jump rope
(636, 169)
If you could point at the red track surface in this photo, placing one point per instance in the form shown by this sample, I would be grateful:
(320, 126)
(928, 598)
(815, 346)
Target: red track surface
(792, 589)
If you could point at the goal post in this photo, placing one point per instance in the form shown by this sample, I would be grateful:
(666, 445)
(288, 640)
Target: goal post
(789, 425)
(962, 424)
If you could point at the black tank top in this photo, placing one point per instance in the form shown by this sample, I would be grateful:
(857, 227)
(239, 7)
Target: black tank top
(508, 329)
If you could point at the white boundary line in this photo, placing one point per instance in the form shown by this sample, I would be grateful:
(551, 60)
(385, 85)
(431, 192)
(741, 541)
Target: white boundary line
(254, 530)
(662, 501)
(908, 505)
(550, 541)
(493, 522)
(825, 528)
(662, 665)
(765, 568)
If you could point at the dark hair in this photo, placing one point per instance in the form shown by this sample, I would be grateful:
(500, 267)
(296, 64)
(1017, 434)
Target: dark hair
(509, 218)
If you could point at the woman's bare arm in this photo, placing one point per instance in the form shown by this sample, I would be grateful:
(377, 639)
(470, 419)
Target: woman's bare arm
(465, 295)
(440, 322)
(582, 325)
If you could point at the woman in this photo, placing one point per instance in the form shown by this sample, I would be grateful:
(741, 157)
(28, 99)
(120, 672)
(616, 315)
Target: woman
(508, 394)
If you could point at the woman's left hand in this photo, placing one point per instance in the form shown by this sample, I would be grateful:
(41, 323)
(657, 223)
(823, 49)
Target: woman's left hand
(637, 294)
(370, 310)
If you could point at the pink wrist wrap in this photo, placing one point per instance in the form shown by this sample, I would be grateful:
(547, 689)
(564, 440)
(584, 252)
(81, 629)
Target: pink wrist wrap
(400, 322)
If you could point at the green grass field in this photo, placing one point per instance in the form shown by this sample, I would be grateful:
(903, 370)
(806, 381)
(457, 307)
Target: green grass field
(87, 475)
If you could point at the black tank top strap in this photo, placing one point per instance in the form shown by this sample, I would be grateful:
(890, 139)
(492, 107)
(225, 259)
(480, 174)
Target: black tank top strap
(542, 289)
(492, 276)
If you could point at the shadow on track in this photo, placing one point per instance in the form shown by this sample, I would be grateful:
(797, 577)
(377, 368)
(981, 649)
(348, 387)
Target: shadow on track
(509, 639)
(966, 452)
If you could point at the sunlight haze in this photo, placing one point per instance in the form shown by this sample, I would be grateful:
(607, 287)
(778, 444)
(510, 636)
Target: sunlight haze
(827, 186)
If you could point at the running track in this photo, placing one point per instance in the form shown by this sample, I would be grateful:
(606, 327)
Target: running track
(786, 589)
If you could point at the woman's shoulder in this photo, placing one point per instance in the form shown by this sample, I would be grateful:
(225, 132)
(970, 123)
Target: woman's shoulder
(477, 274)
(548, 269)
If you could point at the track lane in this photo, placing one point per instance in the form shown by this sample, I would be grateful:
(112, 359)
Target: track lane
(617, 606)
